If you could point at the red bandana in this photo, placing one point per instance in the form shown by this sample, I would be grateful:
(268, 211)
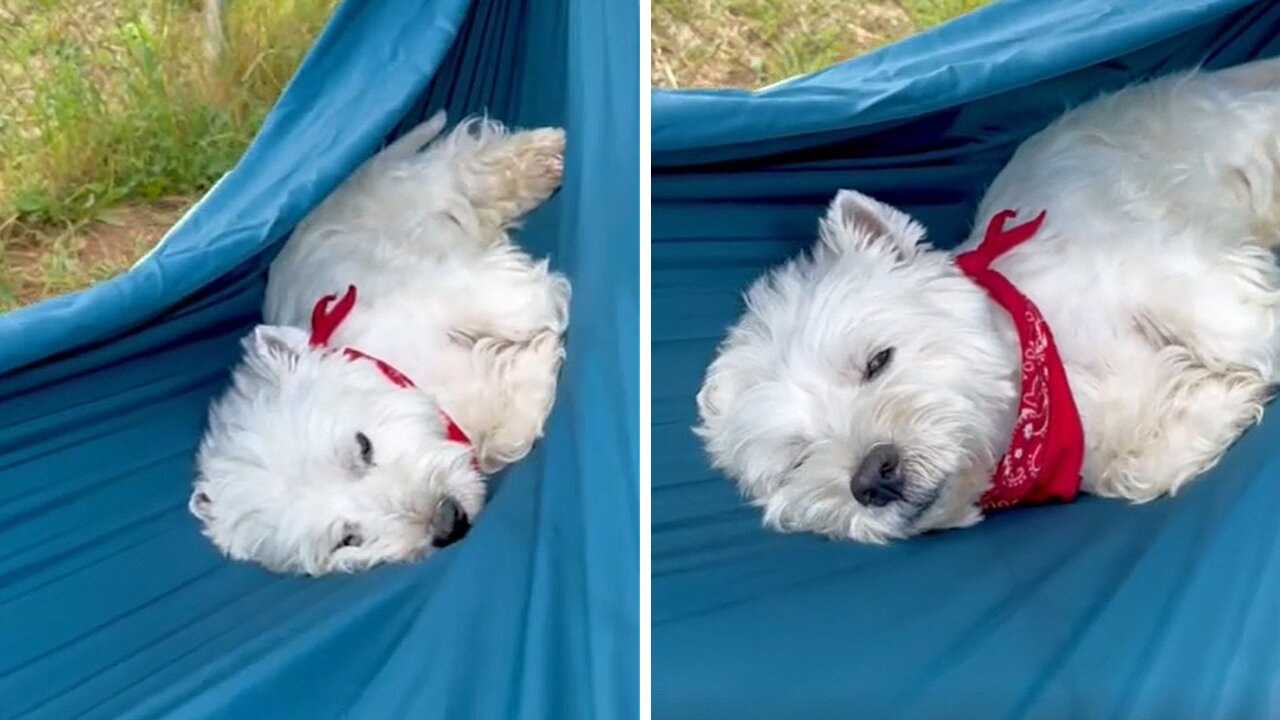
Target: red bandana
(1047, 448)
(325, 321)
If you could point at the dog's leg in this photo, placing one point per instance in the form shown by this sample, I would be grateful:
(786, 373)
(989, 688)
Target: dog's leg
(1230, 318)
(513, 335)
(521, 388)
(1174, 427)
(481, 176)
(520, 299)
(407, 145)
(1212, 350)
(506, 175)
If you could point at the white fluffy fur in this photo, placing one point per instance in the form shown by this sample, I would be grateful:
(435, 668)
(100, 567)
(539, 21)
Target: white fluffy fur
(445, 297)
(1153, 269)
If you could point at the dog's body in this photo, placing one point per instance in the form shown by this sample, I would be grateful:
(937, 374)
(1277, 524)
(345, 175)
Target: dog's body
(1152, 268)
(315, 460)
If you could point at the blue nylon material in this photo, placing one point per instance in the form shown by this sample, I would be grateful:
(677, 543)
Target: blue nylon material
(1090, 610)
(111, 603)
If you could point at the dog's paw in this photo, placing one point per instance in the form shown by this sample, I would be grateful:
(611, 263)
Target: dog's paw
(539, 162)
(510, 175)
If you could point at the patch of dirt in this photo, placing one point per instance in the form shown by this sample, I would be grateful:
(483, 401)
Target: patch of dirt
(116, 238)
(41, 262)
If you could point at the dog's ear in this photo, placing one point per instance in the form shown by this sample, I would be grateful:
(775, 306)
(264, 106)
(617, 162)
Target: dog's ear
(201, 505)
(859, 223)
(718, 388)
(275, 349)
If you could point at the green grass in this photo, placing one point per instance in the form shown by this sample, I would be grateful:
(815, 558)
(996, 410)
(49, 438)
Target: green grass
(116, 105)
(751, 43)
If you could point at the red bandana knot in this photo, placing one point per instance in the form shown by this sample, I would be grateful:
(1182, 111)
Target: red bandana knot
(327, 315)
(1042, 463)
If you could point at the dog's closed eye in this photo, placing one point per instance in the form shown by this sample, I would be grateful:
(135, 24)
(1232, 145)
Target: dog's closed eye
(799, 452)
(366, 448)
(877, 364)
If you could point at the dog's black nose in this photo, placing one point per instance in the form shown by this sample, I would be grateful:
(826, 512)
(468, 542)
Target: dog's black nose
(449, 525)
(877, 481)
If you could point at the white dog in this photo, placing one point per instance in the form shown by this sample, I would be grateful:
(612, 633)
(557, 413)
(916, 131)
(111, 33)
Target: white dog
(876, 388)
(410, 348)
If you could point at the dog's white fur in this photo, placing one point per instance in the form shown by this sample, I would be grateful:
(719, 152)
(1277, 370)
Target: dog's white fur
(446, 298)
(1153, 270)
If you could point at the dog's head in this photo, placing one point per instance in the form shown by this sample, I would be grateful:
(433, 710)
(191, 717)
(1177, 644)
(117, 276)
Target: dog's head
(314, 463)
(865, 394)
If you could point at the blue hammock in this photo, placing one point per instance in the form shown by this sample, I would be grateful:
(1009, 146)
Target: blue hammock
(111, 603)
(1093, 610)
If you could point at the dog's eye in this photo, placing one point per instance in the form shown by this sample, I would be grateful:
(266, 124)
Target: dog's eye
(799, 451)
(452, 217)
(878, 363)
(351, 537)
(366, 448)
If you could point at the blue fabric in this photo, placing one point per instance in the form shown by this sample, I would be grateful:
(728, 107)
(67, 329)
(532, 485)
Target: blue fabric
(111, 603)
(1092, 610)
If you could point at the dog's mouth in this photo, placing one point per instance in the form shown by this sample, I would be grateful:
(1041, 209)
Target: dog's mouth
(915, 509)
(917, 495)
